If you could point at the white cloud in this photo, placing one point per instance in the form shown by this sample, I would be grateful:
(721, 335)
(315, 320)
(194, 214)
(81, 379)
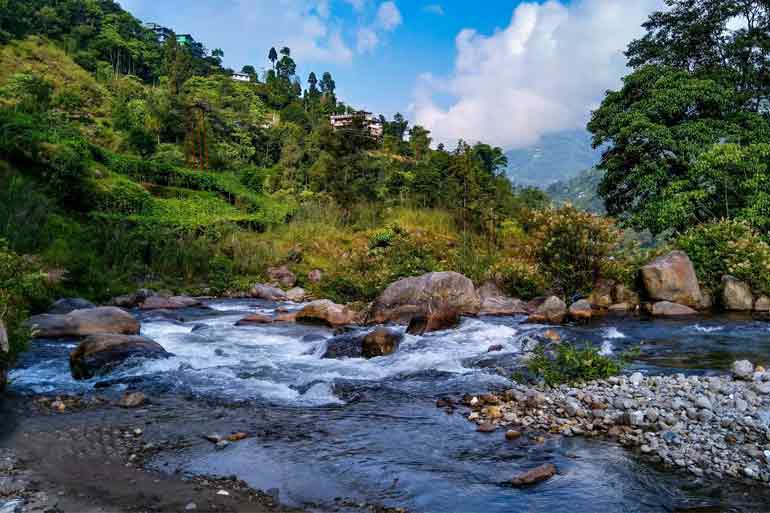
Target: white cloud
(358, 5)
(366, 40)
(541, 74)
(388, 16)
(434, 9)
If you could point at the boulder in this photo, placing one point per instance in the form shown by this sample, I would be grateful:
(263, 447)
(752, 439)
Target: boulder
(743, 369)
(348, 345)
(552, 310)
(326, 312)
(132, 300)
(601, 296)
(254, 319)
(82, 323)
(268, 293)
(669, 309)
(434, 321)
(132, 400)
(315, 276)
(581, 310)
(296, 294)
(69, 304)
(494, 302)
(736, 295)
(535, 475)
(98, 354)
(621, 307)
(169, 303)
(762, 304)
(286, 317)
(380, 342)
(282, 275)
(432, 292)
(672, 278)
(623, 294)
(706, 300)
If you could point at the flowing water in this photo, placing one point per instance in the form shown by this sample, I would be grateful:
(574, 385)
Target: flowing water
(370, 430)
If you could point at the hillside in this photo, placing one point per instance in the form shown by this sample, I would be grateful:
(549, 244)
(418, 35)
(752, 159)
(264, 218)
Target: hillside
(556, 157)
(580, 191)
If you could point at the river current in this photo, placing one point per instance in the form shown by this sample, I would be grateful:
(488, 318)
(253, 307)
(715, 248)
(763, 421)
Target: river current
(370, 430)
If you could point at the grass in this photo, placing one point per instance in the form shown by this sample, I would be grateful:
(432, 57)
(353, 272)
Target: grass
(573, 363)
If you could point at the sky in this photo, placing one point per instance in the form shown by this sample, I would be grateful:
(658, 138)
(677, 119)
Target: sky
(505, 72)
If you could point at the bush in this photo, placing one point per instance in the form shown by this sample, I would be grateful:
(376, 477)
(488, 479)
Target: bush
(573, 363)
(572, 247)
(254, 178)
(728, 247)
(518, 278)
(122, 196)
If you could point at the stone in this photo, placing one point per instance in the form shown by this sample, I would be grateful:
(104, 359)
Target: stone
(535, 475)
(83, 323)
(736, 295)
(282, 275)
(762, 304)
(601, 296)
(706, 301)
(672, 278)
(486, 427)
(326, 312)
(255, 319)
(132, 400)
(286, 317)
(636, 378)
(669, 309)
(315, 276)
(623, 294)
(347, 345)
(297, 294)
(97, 354)
(268, 293)
(512, 434)
(494, 412)
(70, 304)
(495, 348)
(169, 303)
(433, 321)
(494, 302)
(380, 342)
(191, 506)
(132, 300)
(552, 310)
(620, 308)
(581, 310)
(552, 335)
(743, 369)
(237, 437)
(420, 296)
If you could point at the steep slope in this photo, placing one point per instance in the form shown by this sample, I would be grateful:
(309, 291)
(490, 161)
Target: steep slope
(579, 191)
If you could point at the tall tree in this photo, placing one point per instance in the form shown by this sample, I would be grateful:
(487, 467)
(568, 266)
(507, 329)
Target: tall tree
(272, 56)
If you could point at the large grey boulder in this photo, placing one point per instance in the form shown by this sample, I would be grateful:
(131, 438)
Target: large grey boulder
(669, 309)
(169, 303)
(736, 295)
(268, 293)
(82, 323)
(672, 278)
(422, 295)
(326, 312)
(69, 304)
(552, 311)
(494, 302)
(581, 310)
(98, 354)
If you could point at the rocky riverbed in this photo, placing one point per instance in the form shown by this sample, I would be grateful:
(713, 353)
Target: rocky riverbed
(716, 426)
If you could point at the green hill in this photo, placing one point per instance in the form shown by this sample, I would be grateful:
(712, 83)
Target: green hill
(580, 191)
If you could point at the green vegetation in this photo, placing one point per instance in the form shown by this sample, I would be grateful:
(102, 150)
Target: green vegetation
(582, 191)
(572, 363)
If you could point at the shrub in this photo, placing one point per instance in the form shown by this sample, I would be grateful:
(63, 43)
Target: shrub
(572, 247)
(122, 196)
(572, 363)
(518, 278)
(254, 178)
(728, 247)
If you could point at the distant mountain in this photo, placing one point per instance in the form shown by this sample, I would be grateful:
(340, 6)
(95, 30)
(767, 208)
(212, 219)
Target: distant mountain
(556, 157)
(580, 191)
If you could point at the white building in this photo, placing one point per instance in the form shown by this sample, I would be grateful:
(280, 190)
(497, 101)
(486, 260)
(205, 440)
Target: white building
(241, 77)
(368, 122)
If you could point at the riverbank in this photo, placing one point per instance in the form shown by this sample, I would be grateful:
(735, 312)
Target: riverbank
(715, 427)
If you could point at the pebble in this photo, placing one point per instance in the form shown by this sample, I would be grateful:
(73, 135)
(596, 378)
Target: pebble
(636, 379)
(742, 369)
(191, 506)
(223, 492)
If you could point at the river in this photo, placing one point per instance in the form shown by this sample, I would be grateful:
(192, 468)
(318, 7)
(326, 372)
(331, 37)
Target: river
(370, 430)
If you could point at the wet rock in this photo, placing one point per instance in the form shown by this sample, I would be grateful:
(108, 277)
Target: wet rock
(512, 434)
(623, 294)
(581, 310)
(237, 437)
(297, 294)
(255, 319)
(601, 296)
(672, 278)
(97, 354)
(736, 295)
(434, 321)
(494, 302)
(326, 312)
(620, 308)
(706, 300)
(495, 348)
(420, 296)
(536, 475)
(282, 275)
(132, 300)
(70, 304)
(552, 335)
(191, 506)
(486, 427)
(286, 317)
(762, 304)
(552, 310)
(381, 342)
(268, 293)
(82, 323)
(169, 303)
(669, 309)
(348, 345)
(636, 378)
(132, 400)
(743, 369)
(214, 438)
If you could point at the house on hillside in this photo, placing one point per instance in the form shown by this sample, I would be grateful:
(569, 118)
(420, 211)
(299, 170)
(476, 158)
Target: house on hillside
(161, 32)
(241, 77)
(364, 120)
(185, 39)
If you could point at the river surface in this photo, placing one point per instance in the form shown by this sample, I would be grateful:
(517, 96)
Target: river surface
(369, 430)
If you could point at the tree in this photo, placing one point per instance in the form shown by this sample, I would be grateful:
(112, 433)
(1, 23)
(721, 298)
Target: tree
(286, 51)
(327, 84)
(419, 141)
(272, 56)
(286, 68)
(312, 82)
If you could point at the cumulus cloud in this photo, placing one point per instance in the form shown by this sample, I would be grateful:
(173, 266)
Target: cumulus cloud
(366, 40)
(388, 16)
(434, 9)
(543, 73)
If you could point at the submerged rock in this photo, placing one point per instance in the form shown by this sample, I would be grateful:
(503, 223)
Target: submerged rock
(581, 310)
(69, 304)
(132, 400)
(82, 323)
(381, 342)
(348, 345)
(326, 312)
(422, 295)
(169, 303)
(434, 321)
(535, 475)
(99, 353)
(552, 310)
(736, 295)
(253, 319)
(268, 293)
(669, 309)
(132, 300)
(494, 302)
(672, 278)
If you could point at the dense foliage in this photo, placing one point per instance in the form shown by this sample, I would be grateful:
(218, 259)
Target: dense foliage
(571, 363)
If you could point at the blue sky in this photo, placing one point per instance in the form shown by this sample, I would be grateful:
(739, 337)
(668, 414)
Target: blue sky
(507, 72)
